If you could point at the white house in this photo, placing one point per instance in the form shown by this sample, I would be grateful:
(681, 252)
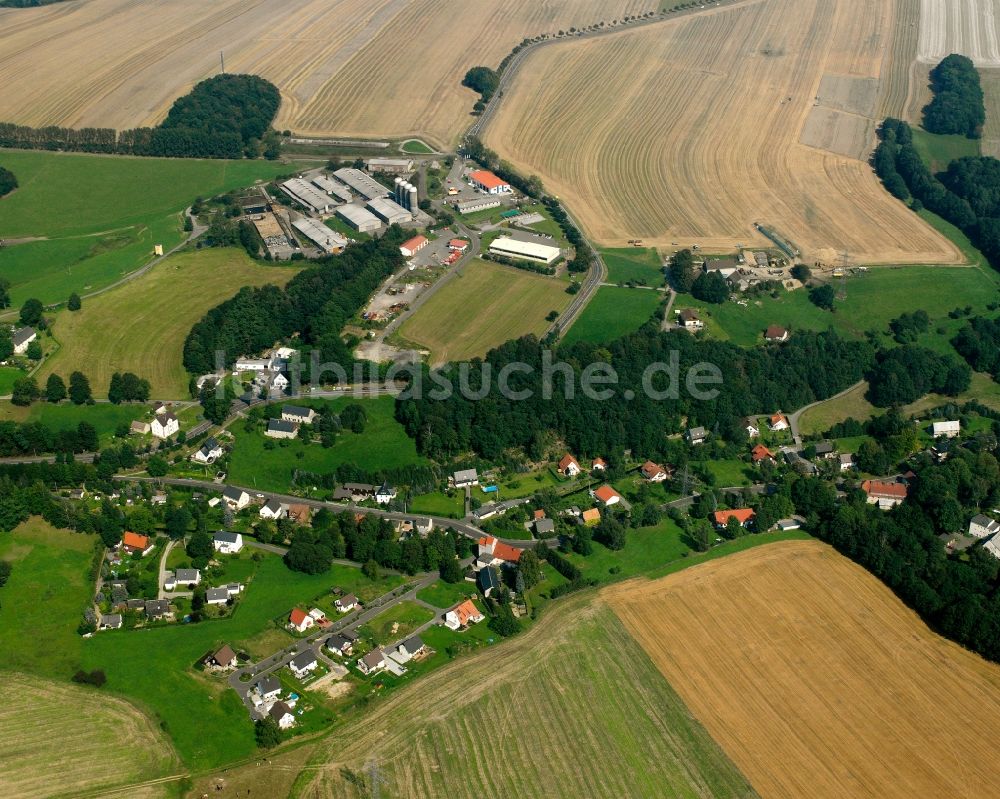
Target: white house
(181, 579)
(303, 664)
(466, 477)
(282, 714)
(653, 472)
(164, 425)
(948, 429)
(690, 320)
(372, 662)
(272, 510)
(385, 494)
(607, 496)
(846, 461)
(983, 526)
(299, 415)
(111, 621)
(300, 621)
(993, 546)
(227, 543)
(209, 452)
(217, 596)
(235, 498)
(569, 466)
(752, 428)
(462, 615)
(22, 338)
(346, 603)
(696, 435)
(777, 422)
(279, 428)
(267, 689)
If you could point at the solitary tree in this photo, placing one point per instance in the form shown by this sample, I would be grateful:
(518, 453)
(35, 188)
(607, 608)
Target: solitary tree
(74, 303)
(31, 312)
(823, 296)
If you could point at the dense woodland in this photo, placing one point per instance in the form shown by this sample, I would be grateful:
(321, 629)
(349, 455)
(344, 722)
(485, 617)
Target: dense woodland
(957, 106)
(226, 116)
(979, 343)
(316, 303)
(8, 182)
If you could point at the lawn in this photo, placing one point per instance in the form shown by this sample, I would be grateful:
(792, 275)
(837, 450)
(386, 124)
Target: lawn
(446, 595)
(8, 375)
(822, 417)
(396, 623)
(937, 150)
(439, 504)
(612, 313)
(141, 326)
(103, 416)
(646, 548)
(731, 472)
(416, 147)
(383, 445)
(485, 305)
(637, 264)
(101, 214)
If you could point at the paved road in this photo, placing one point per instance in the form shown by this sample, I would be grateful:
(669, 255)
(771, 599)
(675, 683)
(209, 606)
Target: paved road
(793, 419)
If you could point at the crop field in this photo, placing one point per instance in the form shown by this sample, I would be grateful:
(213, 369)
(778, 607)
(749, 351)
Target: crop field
(141, 325)
(110, 63)
(969, 28)
(815, 679)
(481, 308)
(612, 313)
(91, 219)
(688, 131)
(474, 728)
(103, 742)
(990, 143)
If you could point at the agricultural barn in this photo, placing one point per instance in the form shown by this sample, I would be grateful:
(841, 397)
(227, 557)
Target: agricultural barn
(363, 184)
(389, 211)
(413, 246)
(471, 206)
(525, 250)
(320, 235)
(332, 188)
(485, 180)
(307, 195)
(395, 166)
(358, 218)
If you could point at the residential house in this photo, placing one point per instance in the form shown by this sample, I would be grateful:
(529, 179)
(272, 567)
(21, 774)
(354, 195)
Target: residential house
(235, 498)
(223, 658)
(412, 646)
(690, 320)
(466, 477)
(135, 604)
(491, 551)
(372, 662)
(272, 509)
(776, 334)
(22, 338)
(164, 425)
(279, 428)
(941, 449)
(209, 452)
(300, 621)
(761, 453)
(385, 494)
(948, 429)
(181, 579)
(217, 596)
(339, 645)
(488, 580)
(282, 714)
(607, 496)
(598, 465)
(591, 516)
(423, 527)
(696, 435)
(139, 427)
(653, 472)
(752, 428)
(885, 495)
(569, 466)
(136, 544)
(297, 414)
(271, 382)
(299, 513)
(160, 408)
(341, 495)
(360, 491)
(303, 664)
(744, 516)
(825, 450)
(227, 543)
(318, 616)
(157, 608)
(346, 603)
(797, 462)
(159, 498)
(993, 546)
(268, 688)
(846, 461)
(983, 526)
(110, 621)
(462, 615)
(545, 527)
(777, 422)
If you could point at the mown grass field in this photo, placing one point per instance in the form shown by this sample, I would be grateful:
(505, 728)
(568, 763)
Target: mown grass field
(612, 313)
(8, 376)
(852, 405)
(404, 618)
(596, 721)
(639, 264)
(65, 416)
(831, 686)
(383, 445)
(141, 326)
(939, 150)
(484, 306)
(101, 215)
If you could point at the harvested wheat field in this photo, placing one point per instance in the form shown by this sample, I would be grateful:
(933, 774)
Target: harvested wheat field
(96, 741)
(572, 708)
(344, 67)
(689, 131)
(970, 27)
(816, 680)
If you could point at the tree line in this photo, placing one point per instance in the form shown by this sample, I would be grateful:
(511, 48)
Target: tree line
(8, 181)
(226, 116)
(957, 105)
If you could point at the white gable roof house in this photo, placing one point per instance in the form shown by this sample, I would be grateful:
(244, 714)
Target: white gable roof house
(209, 452)
(164, 425)
(22, 338)
(272, 510)
(983, 526)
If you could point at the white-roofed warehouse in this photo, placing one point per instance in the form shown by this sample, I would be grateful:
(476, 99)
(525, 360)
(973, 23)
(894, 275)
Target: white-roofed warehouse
(391, 212)
(318, 233)
(308, 195)
(362, 183)
(332, 188)
(358, 218)
(526, 250)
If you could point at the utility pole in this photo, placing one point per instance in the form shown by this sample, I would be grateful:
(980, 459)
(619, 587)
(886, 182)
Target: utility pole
(845, 260)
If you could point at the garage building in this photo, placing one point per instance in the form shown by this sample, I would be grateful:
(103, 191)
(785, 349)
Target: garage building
(358, 218)
(525, 250)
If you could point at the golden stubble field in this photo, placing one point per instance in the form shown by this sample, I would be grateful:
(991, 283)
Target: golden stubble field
(344, 67)
(816, 680)
(689, 130)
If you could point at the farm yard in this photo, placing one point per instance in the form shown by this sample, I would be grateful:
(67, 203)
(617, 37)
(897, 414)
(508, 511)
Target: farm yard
(628, 129)
(141, 325)
(581, 665)
(481, 308)
(832, 687)
(109, 63)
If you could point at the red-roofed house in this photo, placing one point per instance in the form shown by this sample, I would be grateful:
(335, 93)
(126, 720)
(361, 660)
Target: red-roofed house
(136, 544)
(506, 552)
(598, 463)
(463, 615)
(413, 246)
(654, 472)
(458, 245)
(607, 496)
(300, 621)
(776, 333)
(743, 515)
(777, 422)
(591, 516)
(491, 551)
(885, 495)
(488, 182)
(569, 466)
(761, 453)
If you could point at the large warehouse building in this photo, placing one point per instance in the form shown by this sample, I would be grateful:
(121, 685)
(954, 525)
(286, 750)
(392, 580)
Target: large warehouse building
(358, 218)
(332, 187)
(319, 234)
(525, 250)
(389, 211)
(307, 195)
(395, 166)
(362, 183)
